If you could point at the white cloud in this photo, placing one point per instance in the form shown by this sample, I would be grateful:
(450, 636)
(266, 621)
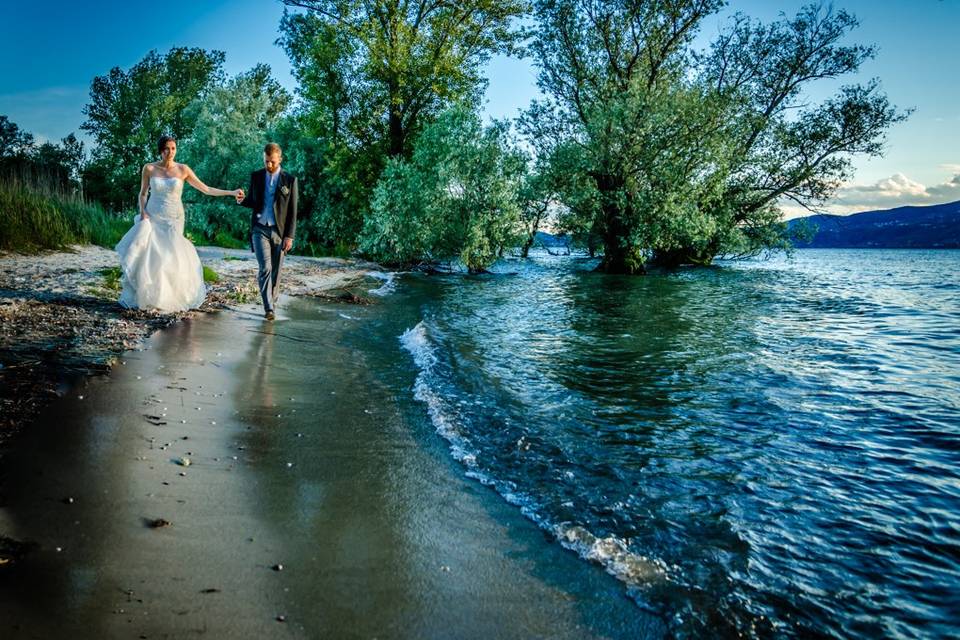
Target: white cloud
(896, 191)
(948, 191)
(893, 191)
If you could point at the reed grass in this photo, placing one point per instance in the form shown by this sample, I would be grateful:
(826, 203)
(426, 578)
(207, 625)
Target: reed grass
(35, 216)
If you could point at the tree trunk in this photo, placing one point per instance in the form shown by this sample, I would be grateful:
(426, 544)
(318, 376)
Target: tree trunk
(525, 249)
(532, 234)
(617, 256)
(621, 260)
(395, 123)
(396, 134)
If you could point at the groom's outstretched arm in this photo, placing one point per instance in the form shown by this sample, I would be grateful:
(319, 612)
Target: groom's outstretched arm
(248, 197)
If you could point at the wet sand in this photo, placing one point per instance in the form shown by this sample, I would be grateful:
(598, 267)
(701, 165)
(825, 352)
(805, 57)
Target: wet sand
(297, 460)
(60, 321)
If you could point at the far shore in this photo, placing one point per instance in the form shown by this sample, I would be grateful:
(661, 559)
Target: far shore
(60, 320)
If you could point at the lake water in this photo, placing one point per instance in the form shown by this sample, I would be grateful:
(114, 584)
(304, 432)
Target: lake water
(762, 448)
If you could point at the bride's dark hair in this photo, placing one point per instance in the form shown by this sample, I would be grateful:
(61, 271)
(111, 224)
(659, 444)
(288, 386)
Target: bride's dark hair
(162, 142)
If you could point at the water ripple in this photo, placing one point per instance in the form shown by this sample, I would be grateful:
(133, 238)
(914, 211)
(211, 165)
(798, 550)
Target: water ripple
(764, 449)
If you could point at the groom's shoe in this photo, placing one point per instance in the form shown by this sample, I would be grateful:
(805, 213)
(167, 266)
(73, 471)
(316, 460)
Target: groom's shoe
(269, 315)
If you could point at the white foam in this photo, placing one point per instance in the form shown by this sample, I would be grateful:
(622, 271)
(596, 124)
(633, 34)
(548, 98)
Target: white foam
(611, 552)
(389, 283)
(417, 342)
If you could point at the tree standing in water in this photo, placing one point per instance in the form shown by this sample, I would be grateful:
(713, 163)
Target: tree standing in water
(689, 155)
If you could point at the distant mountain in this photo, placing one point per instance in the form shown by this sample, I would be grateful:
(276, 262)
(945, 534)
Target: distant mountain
(931, 227)
(549, 240)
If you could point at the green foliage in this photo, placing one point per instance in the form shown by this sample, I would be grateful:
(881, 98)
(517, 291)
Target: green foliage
(38, 216)
(642, 146)
(371, 77)
(456, 198)
(56, 165)
(112, 278)
(92, 224)
(130, 110)
(223, 239)
(688, 156)
(315, 250)
(335, 182)
(14, 142)
(557, 191)
(231, 123)
(374, 71)
(209, 275)
(243, 293)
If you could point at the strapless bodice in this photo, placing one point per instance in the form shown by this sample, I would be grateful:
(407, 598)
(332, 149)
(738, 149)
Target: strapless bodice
(164, 201)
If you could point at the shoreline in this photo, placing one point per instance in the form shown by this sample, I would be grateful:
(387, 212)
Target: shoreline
(295, 496)
(60, 321)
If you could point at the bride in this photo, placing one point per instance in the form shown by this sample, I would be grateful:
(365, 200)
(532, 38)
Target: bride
(161, 270)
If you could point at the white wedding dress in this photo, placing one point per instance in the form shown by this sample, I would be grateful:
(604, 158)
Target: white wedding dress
(161, 269)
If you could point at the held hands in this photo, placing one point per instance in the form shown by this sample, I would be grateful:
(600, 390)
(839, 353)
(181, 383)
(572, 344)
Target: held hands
(238, 194)
(144, 216)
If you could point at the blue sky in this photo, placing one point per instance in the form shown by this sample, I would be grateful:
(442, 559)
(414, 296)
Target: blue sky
(50, 51)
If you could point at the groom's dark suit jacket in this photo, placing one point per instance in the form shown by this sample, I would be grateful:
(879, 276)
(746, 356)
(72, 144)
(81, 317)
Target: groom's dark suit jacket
(284, 201)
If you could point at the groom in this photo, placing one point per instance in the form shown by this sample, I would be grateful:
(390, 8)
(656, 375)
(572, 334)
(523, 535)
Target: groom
(273, 198)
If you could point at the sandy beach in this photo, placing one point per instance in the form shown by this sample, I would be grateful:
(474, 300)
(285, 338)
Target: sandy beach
(210, 487)
(60, 322)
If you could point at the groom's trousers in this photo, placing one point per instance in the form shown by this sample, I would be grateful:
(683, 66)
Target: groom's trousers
(267, 245)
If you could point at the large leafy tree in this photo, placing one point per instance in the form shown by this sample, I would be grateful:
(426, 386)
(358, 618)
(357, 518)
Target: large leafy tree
(555, 193)
(392, 63)
(607, 69)
(372, 75)
(690, 154)
(56, 166)
(230, 124)
(14, 141)
(129, 110)
(61, 163)
(780, 146)
(456, 198)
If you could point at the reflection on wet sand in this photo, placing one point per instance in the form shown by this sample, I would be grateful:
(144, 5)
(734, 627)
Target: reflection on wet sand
(299, 458)
(311, 445)
(100, 571)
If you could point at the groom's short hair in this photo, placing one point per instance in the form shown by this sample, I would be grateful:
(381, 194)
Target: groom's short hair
(272, 148)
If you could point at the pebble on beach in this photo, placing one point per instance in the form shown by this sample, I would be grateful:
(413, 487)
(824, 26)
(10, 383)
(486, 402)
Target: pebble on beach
(158, 523)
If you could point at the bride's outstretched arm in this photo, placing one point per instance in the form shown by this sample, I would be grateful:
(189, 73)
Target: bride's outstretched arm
(142, 196)
(210, 191)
